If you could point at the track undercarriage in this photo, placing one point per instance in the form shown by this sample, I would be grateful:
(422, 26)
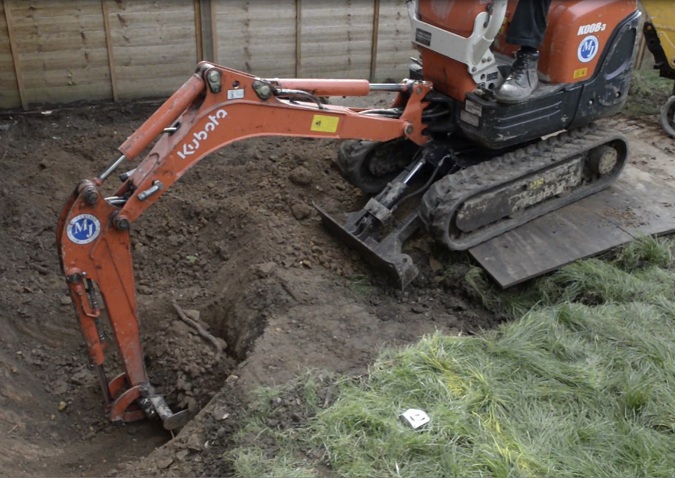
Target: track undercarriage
(469, 196)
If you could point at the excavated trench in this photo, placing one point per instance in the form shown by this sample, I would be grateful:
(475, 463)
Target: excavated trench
(190, 359)
(51, 404)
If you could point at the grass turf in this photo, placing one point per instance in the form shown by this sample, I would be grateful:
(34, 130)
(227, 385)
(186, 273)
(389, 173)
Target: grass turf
(581, 384)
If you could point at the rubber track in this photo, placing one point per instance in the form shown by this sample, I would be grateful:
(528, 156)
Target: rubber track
(446, 196)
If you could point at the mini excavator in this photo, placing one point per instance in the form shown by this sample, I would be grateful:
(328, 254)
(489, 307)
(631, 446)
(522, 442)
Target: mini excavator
(476, 167)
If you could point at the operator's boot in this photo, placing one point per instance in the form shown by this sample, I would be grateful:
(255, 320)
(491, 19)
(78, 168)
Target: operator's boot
(522, 79)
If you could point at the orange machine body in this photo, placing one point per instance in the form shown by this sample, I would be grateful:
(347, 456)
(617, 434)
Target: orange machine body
(577, 35)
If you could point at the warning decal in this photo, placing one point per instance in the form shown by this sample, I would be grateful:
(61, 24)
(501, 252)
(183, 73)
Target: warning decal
(325, 124)
(580, 73)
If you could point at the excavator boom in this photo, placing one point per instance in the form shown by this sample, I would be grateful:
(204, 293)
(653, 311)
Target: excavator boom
(215, 107)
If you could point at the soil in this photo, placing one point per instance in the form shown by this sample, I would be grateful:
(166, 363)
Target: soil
(239, 246)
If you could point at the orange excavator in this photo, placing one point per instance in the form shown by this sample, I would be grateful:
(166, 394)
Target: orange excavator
(476, 166)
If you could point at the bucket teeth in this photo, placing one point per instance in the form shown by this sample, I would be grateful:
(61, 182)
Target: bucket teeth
(154, 405)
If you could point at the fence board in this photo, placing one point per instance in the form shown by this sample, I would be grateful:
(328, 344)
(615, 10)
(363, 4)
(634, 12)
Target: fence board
(58, 94)
(70, 81)
(167, 36)
(66, 60)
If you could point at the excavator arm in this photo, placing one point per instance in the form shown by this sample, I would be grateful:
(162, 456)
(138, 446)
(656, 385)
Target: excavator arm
(215, 107)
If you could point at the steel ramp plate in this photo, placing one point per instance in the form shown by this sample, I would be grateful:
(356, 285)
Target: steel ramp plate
(639, 204)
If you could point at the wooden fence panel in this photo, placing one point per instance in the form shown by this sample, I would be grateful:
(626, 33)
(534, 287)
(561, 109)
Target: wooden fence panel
(61, 51)
(336, 39)
(394, 45)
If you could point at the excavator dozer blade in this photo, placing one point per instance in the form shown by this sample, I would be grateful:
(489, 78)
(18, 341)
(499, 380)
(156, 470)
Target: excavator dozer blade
(386, 254)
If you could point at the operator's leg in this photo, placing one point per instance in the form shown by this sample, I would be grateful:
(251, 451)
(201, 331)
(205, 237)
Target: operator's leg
(527, 29)
(528, 25)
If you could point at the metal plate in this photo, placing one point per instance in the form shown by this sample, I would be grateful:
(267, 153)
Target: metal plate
(639, 204)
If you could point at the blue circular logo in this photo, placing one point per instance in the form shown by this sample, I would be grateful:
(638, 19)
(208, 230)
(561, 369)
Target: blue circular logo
(588, 48)
(83, 229)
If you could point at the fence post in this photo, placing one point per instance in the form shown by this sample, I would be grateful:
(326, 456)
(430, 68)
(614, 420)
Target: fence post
(196, 8)
(109, 47)
(373, 45)
(213, 25)
(205, 30)
(15, 54)
(298, 37)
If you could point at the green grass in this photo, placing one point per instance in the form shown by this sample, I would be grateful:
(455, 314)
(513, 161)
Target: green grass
(648, 91)
(581, 384)
(638, 271)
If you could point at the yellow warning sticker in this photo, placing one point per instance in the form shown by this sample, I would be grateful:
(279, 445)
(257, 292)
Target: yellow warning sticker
(325, 124)
(580, 73)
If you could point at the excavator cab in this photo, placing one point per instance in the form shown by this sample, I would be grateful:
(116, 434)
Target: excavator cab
(584, 67)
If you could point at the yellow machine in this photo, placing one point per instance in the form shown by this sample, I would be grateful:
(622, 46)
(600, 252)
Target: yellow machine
(659, 31)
